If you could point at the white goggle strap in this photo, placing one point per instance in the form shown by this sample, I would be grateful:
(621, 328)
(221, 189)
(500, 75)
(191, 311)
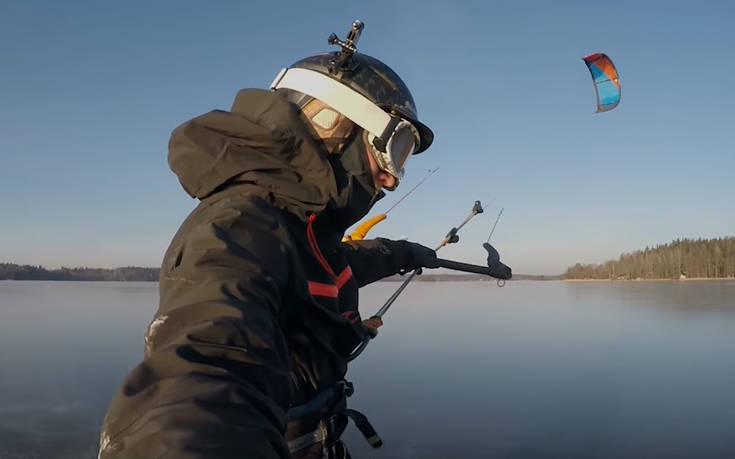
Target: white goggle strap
(358, 108)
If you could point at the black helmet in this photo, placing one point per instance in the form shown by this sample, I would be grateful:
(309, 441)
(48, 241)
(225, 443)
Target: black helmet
(368, 77)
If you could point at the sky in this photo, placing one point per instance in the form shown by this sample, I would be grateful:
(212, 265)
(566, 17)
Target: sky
(90, 92)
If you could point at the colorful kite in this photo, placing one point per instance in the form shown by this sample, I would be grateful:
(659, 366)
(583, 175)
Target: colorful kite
(606, 80)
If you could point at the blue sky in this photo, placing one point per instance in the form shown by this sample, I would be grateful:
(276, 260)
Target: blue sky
(90, 91)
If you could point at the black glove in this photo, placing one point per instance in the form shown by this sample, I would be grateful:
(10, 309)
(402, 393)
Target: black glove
(418, 256)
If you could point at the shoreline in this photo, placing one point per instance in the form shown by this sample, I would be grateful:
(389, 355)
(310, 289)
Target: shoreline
(429, 280)
(688, 279)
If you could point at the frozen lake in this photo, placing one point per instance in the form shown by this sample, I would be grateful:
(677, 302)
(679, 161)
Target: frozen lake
(460, 369)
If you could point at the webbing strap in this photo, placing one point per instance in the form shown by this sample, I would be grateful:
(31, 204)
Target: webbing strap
(334, 422)
(367, 430)
(317, 436)
(316, 404)
(329, 290)
(319, 288)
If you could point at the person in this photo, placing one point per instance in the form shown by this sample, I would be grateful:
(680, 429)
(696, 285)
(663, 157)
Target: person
(246, 355)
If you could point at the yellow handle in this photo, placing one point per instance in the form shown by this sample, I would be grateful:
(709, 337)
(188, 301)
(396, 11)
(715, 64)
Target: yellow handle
(363, 228)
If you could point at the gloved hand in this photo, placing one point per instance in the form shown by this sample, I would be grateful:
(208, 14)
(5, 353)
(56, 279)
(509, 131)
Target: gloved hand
(373, 323)
(418, 256)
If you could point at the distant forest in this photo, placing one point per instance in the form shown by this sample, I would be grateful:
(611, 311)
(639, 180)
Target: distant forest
(682, 258)
(27, 272)
(10, 271)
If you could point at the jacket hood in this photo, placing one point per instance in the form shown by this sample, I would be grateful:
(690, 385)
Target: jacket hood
(263, 144)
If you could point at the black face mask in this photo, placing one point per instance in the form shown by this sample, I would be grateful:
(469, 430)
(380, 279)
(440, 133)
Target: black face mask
(355, 186)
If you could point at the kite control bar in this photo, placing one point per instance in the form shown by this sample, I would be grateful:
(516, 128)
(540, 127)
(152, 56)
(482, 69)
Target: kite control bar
(498, 271)
(450, 238)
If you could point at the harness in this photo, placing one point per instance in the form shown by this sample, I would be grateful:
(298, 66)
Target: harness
(315, 427)
(328, 410)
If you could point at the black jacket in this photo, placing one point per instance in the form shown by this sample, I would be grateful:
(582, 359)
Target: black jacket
(258, 296)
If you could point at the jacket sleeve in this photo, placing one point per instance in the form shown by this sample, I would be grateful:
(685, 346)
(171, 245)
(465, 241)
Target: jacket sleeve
(374, 259)
(215, 380)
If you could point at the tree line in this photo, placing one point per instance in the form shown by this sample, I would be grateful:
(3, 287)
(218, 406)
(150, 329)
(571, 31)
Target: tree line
(11, 271)
(681, 258)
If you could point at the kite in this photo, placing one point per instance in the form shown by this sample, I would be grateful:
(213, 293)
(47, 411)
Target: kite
(606, 81)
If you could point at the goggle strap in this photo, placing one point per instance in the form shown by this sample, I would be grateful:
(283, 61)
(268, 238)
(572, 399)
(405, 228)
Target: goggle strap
(358, 108)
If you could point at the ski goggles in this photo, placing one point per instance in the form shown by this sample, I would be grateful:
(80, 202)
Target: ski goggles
(391, 139)
(401, 144)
